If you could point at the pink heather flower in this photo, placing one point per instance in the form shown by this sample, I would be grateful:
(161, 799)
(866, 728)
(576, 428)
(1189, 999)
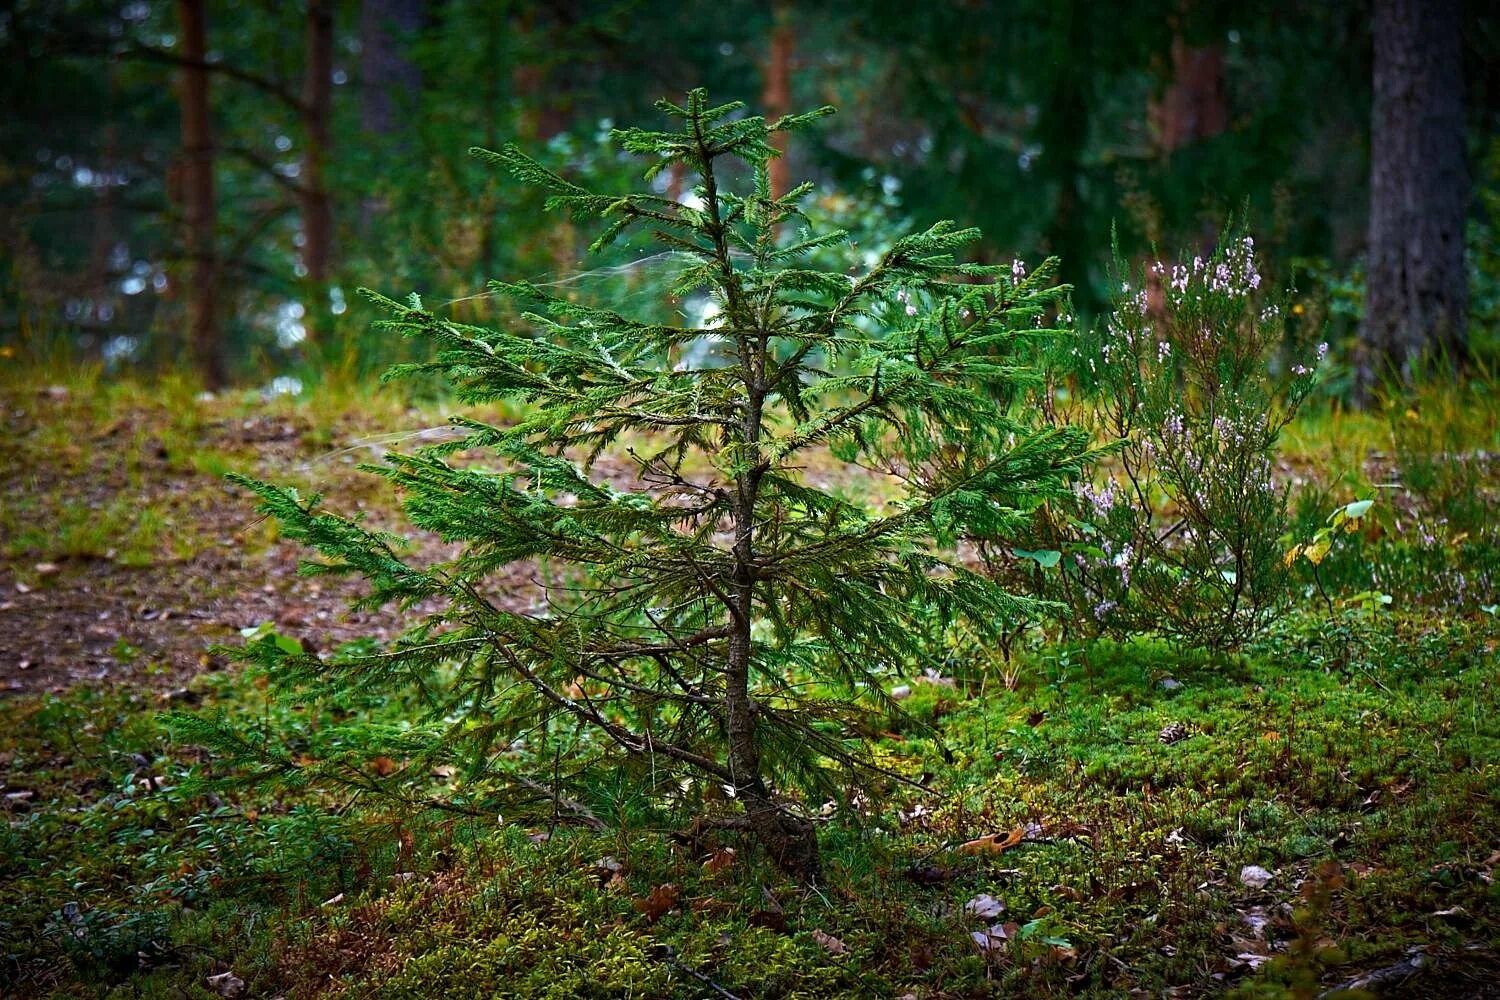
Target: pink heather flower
(1163, 351)
(1018, 269)
(1103, 501)
(1322, 351)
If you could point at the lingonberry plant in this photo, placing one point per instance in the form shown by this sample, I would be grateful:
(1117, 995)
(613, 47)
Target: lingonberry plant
(721, 629)
(1180, 533)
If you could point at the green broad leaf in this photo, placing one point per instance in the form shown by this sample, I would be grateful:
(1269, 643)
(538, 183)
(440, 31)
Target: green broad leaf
(1045, 558)
(1358, 508)
(267, 630)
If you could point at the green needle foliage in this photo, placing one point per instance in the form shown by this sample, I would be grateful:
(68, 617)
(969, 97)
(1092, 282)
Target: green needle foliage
(724, 628)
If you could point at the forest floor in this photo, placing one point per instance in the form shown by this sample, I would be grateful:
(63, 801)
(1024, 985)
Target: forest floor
(1332, 814)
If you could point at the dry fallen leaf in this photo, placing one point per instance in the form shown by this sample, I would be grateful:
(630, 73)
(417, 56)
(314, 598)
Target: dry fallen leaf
(830, 943)
(226, 984)
(995, 842)
(720, 860)
(994, 936)
(660, 900)
(931, 874)
(1255, 876)
(384, 766)
(771, 920)
(985, 906)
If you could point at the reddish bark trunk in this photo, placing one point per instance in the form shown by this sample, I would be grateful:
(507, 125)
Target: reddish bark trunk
(197, 176)
(1193, 106)
(776, 96)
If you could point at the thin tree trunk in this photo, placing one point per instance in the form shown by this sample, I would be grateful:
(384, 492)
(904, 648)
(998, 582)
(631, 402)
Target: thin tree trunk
(106, 201)
(1193, 106)
(790, 840)
(386, 74)
(198, 195)
(776, 96)
(1416, 301)
(1057, 132)
(317, 205)
(387, 79)
(542, 112)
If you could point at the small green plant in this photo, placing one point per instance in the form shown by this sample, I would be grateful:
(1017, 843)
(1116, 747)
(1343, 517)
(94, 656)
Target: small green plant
(1346, 520)
(1178, 534)
(717, 624)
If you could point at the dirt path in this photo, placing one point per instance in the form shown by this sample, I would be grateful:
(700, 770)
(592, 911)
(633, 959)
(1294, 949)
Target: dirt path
(125, 556)
(84, 600)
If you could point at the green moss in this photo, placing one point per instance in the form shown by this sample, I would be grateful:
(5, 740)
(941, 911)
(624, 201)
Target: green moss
(1370, 742)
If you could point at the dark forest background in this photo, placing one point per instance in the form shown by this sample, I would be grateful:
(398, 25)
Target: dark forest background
(215, 179)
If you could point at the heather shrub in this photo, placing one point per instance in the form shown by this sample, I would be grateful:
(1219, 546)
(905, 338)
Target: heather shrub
(1179, 532)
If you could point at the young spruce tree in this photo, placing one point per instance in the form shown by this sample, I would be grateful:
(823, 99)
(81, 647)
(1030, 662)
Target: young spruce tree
(728, 623)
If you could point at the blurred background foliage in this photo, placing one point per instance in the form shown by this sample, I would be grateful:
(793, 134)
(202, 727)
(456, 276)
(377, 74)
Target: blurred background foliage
(1044, 123)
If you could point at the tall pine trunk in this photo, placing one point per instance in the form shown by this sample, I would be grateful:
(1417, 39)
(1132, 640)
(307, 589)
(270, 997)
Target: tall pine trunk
(317, 203)
(1417, 299)
(1193, 105)
(198, 194)
(388, 78)
(386, 73)
(776, 94)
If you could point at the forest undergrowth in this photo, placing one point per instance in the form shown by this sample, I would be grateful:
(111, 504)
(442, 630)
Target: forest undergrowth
(1082, 817)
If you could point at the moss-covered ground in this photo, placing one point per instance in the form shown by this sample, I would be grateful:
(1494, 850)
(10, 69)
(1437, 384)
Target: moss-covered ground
(1330, 810)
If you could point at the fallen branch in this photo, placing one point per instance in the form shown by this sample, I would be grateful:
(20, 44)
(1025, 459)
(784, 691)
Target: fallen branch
(1382, 979)
(577, 811)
